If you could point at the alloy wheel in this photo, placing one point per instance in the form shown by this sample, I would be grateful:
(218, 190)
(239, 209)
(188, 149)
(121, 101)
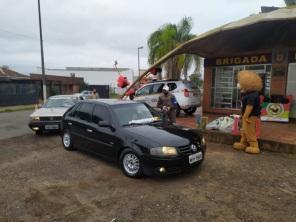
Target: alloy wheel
(67, 140)
(131, 163)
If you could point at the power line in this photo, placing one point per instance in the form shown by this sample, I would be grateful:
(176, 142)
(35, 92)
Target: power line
(19, 34)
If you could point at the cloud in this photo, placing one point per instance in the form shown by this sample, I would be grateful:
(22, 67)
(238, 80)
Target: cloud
(96, 32)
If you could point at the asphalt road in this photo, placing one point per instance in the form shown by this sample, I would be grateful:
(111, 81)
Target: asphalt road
(14, 124)
(41, 181)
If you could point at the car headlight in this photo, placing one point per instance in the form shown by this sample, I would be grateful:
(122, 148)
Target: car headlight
(164, 151)
(35, 118)
(203, 141)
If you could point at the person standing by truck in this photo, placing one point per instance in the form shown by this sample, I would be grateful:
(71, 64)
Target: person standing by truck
(167, 103)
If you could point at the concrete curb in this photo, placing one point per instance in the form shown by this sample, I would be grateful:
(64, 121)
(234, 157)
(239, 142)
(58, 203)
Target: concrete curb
(229, 139)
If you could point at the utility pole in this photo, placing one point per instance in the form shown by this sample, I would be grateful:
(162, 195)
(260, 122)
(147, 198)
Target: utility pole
(42, 55)
(141, 47)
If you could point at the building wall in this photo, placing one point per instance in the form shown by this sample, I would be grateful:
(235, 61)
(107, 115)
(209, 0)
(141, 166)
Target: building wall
(93, 77)
(278, 85)
(278, 61)
(207, 89)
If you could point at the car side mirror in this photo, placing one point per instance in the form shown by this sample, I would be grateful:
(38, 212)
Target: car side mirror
(106, 124)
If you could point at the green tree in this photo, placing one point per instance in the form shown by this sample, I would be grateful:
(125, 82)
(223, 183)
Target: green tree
(83, 86)
(290, 2)
(167, 38)
(196, 79)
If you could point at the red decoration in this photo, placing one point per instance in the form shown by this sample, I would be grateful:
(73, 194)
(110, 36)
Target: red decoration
(122, 81)
(130, 92)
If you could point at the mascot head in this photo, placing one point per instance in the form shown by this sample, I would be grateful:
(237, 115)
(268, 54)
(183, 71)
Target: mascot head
(249, 81)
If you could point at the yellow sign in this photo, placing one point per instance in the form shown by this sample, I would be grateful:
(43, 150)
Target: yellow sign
(256, 59)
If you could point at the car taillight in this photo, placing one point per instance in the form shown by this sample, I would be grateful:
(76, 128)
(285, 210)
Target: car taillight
(186, 92)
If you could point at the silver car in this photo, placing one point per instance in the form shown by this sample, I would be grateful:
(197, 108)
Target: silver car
(49, 116)
(188, 96)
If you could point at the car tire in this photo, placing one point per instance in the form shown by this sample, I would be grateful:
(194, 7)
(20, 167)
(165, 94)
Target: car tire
(130, 164)
(67, 140)
(39, 132)
(190, 110)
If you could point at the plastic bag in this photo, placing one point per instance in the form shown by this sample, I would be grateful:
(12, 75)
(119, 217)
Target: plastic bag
(222, 124)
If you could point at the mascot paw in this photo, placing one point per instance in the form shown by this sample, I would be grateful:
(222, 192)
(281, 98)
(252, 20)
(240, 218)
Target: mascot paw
(252, 150)
(239, 146)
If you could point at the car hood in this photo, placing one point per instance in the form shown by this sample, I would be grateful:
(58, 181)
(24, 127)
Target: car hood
(160, 136)
(42, 112)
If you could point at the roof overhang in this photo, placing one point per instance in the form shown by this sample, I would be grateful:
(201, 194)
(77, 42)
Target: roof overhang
(260, 32)
(257, 33)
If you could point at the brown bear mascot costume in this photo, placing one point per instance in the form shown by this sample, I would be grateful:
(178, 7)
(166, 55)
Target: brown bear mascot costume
(250, 84)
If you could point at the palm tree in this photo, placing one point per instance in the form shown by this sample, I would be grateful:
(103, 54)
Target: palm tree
(165, 39)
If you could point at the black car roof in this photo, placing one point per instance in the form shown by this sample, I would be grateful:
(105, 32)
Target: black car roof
(110, 101)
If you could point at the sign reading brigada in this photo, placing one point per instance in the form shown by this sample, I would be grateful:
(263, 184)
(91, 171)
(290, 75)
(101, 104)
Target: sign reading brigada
(239, 60)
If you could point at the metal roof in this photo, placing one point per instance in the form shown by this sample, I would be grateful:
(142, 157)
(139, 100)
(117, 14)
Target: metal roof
(259, 32)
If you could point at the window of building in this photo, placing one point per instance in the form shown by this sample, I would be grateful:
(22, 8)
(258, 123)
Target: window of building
(225, 94)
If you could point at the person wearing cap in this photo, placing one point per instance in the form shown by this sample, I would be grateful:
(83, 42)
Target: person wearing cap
(94, 94)
(167, 103)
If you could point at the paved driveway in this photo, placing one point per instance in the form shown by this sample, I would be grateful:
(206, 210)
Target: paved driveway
(14, 124)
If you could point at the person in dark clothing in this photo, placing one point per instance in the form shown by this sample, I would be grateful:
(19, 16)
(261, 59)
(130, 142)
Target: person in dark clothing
(253, 99)
(167, 103)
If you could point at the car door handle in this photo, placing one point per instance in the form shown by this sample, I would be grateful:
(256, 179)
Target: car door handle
(89, 130)
(69, 123)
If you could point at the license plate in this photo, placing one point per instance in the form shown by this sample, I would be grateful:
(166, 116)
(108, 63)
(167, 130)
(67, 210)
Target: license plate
(195, 157)
(51, 127)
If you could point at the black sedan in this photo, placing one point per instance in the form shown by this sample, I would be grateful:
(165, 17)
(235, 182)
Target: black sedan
(133, 135)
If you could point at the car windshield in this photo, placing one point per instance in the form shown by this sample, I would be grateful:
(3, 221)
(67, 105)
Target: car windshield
(134, 114)
(62, 102)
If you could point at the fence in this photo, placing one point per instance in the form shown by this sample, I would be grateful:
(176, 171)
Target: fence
(19, 92)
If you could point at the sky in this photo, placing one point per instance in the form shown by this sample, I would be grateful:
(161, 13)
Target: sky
(95, 33)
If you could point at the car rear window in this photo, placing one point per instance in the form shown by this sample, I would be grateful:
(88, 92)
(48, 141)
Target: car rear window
(190, 85)
(172, 86)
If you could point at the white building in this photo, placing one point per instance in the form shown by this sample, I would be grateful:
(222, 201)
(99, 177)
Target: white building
(93, 75)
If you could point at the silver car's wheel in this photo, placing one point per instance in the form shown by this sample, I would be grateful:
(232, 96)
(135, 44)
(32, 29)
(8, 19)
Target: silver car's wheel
(131, 163)
(67, 141)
